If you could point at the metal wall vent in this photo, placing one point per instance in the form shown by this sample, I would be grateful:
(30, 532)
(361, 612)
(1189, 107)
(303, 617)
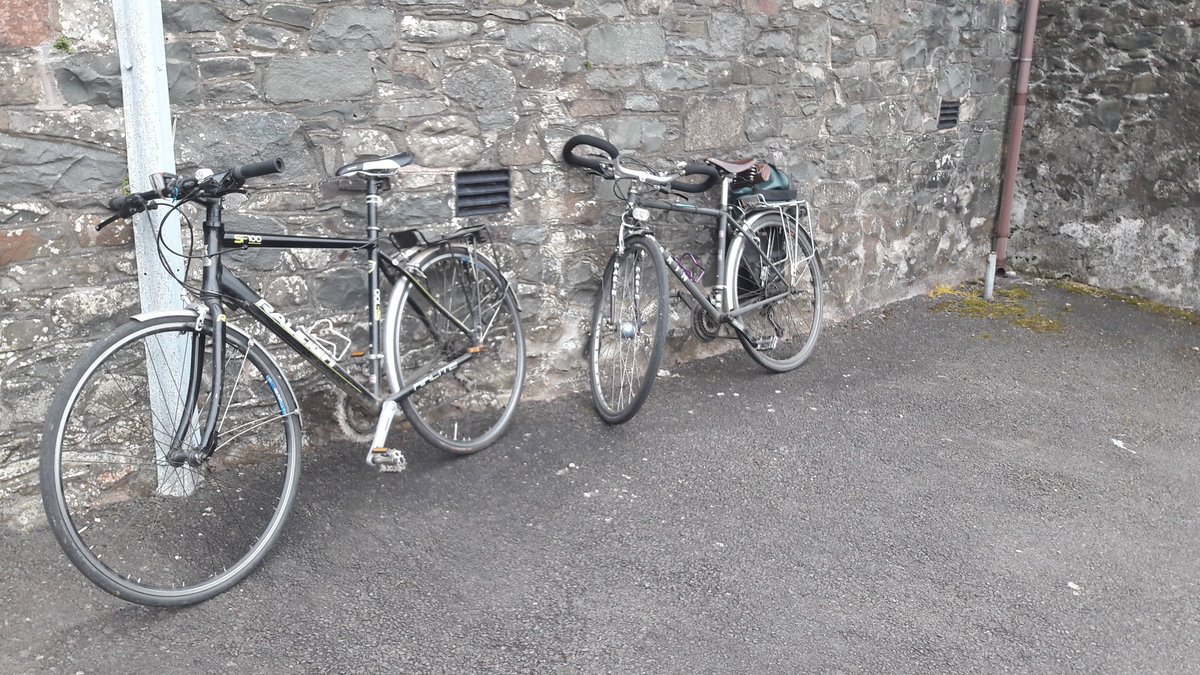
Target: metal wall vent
(478, 193)
(948, 114)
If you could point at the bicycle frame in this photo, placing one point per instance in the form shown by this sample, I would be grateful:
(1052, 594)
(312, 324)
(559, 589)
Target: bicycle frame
(219, 284)
(718, 311)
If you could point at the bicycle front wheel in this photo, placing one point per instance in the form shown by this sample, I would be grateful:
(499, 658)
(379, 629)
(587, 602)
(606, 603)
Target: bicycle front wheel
(781, 276)
(465, 409)
(629, 330)
(137, 527)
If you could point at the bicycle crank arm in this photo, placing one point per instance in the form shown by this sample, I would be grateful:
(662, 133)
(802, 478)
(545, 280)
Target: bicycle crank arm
(387, 460)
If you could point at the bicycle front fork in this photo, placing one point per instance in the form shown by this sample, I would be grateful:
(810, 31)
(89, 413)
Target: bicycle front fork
(187, 427)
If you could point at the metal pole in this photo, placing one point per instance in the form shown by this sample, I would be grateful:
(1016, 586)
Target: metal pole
(150, 149)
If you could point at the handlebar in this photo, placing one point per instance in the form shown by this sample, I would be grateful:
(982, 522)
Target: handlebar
(182, 189)
(697, 170)
(614, 169)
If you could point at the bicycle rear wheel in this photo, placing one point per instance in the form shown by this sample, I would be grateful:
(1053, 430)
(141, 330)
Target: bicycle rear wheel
(629, 330)
(782, 333)
(137, 527)
(467, 409)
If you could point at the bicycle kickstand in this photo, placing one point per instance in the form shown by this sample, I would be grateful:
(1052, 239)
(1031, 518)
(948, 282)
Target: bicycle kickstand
(387, 460)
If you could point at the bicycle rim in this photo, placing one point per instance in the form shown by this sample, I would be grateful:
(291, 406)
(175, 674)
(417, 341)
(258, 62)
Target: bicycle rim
(465, 410)
(137, 527)
(629, 331)
(781, 334)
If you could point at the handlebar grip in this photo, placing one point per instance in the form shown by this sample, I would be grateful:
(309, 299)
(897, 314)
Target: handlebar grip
(697, 170)
(255, 169)
(588, 162)
(128, 205)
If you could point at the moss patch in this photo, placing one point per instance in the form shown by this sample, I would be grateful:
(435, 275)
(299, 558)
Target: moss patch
(1007, 305)
(1144, 304)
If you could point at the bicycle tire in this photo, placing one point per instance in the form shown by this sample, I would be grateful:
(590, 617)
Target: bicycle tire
(464, 411)
(792, 323)
(620, 317)
(134, 526)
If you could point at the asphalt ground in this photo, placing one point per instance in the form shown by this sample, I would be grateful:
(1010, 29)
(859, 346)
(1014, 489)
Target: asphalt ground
(931, 493)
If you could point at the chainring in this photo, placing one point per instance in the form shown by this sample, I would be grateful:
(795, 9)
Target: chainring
(703, 325)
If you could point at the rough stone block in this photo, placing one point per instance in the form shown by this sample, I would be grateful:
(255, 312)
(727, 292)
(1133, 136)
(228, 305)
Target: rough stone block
(639, 134)
(63, 173)
(20, 81)
(260, 35)
(436, 31)
(223, 139)
(544, 38)
(414, 71)
(236, 93)
(675, 78)
(319, 77)
(192, 17)
(482, 85)
(225, 66)
(522, 145)
(355, 29)
(390, 111)
(715, 122)
(299, 16)
(90, 79)
(449, 141)
(593, 107)
(626, 44)
(26, 22)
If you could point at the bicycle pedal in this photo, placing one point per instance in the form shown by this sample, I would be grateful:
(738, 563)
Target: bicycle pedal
(767, 343)
(387, 460)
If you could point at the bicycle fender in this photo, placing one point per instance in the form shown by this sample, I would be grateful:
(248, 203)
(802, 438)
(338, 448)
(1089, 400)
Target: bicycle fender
(190, 315)
(162, 313)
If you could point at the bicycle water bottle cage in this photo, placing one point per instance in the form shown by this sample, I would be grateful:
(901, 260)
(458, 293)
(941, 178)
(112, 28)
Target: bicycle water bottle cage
(380, 168)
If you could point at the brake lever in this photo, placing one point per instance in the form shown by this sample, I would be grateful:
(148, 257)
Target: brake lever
(129, 211)
(107, 222)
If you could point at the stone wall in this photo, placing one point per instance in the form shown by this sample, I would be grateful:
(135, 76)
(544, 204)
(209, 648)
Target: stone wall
(841, 94)
(1109, 191)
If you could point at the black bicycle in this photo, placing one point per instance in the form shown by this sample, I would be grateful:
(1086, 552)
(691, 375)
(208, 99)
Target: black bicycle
(768, 285)
(171, 453)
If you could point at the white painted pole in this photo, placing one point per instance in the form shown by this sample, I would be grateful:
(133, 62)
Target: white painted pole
(150, 146)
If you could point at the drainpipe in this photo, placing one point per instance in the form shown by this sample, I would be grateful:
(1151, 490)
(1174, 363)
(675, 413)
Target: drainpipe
(997, 258)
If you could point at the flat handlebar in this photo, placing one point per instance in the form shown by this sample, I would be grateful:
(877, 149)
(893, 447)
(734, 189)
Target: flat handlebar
(216, 185)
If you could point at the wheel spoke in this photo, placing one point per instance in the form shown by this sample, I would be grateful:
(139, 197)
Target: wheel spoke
(463, 410)
(628, 331)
